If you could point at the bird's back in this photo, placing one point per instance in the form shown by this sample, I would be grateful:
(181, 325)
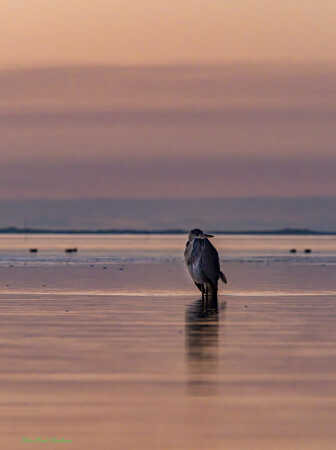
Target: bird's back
(210, 262)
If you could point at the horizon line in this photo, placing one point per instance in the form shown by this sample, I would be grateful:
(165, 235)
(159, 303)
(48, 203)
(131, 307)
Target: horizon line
(171, 64)
(238, 197)
(173, 231)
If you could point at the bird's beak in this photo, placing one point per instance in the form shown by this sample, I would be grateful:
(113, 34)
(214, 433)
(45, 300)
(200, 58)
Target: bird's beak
(208, 235)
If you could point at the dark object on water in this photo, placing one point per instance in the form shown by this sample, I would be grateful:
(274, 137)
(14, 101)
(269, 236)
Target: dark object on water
(33, 250)
(307, 250)
(292, 250)
(71, 250)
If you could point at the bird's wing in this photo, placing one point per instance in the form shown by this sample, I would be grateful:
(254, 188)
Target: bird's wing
(197, 250)
(210, 262)
(190, 252)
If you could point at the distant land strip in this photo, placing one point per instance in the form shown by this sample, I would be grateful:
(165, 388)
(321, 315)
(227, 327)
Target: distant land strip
(283, 231)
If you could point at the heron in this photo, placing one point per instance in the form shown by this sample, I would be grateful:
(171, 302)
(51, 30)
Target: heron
(202, 262)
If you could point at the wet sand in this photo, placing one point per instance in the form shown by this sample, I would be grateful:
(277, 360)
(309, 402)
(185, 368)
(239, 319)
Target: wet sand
(124, 357)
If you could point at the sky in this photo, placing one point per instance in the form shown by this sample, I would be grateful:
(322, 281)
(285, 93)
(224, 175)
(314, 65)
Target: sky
(158, 32)
(167, 99)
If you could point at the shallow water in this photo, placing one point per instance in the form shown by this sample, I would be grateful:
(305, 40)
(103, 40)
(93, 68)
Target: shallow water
(124, 356)
(14, 248)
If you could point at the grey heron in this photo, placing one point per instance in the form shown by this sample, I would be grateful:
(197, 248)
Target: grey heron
(202, 262)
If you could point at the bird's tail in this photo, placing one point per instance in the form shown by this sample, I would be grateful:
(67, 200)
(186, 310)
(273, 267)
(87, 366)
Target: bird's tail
(223, 277)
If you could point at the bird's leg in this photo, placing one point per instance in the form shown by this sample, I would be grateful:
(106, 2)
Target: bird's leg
(206, 292)
(204, 298)
(214, 293)
(203, 292)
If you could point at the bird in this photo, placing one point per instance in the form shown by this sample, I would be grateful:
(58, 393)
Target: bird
(202, 261)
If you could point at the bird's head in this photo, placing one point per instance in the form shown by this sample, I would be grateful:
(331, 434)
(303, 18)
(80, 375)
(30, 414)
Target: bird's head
(196, 233)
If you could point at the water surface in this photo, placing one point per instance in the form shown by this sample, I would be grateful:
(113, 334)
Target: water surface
(113, 349)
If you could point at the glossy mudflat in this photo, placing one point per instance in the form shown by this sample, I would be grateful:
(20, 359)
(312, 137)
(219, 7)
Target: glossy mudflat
(128, 359)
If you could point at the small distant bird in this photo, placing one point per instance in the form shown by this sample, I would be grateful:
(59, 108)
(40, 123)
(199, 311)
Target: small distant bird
(71, 250)
(202, 261)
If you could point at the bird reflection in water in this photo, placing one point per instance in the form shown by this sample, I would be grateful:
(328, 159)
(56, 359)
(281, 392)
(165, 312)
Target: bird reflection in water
(202, 335)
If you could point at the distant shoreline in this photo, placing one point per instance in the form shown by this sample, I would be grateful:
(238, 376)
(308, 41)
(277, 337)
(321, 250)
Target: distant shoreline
(279, 232)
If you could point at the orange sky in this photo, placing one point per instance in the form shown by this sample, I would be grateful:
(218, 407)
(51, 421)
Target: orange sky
(43, 32)
(102, 96)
